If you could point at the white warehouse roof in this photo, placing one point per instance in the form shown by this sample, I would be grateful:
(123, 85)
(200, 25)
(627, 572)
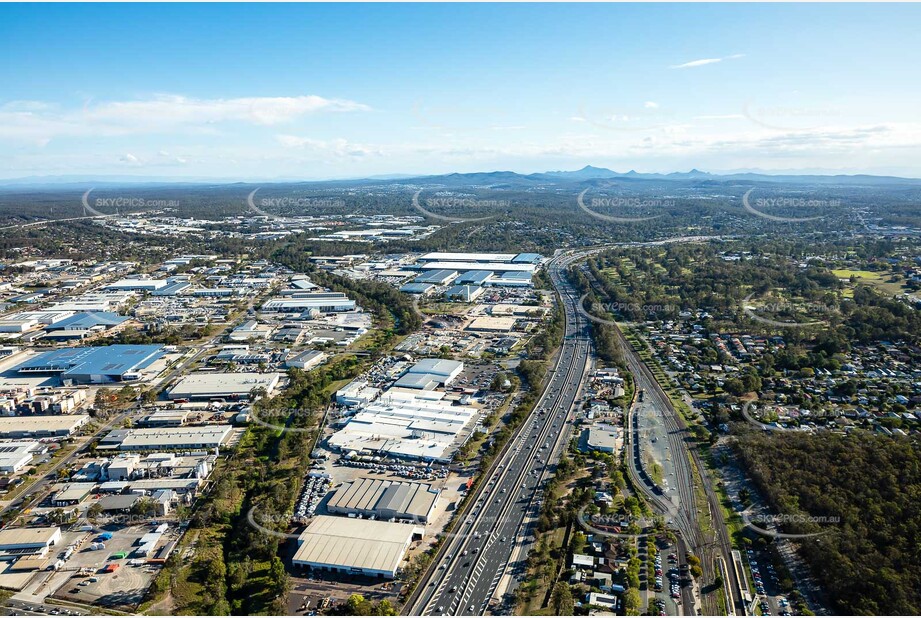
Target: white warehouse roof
(369, 546)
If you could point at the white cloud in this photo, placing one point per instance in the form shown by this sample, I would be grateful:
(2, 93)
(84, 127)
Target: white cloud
(720, 117)
(172, 110)
(651, 105)
(704, 62)
(336, 147)
(37, 122)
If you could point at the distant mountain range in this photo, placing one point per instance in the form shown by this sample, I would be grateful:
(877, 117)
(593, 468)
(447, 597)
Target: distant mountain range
(587, 174)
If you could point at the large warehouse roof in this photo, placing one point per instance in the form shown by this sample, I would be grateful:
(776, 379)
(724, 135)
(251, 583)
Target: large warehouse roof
(468, 257)
(354, 544)
(231, 384)
(88, 319)
(437, 366)
(80, 363)
(167, 438)
(28, 537)
(386, 499)
(469, 266)
(58, 425)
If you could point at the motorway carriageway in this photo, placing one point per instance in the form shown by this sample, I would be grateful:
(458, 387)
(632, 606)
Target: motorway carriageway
(482, 546)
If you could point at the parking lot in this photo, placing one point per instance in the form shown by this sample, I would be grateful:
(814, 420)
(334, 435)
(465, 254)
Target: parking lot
(83, 581)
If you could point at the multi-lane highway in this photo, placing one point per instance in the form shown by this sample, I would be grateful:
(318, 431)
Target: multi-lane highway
(484, 545)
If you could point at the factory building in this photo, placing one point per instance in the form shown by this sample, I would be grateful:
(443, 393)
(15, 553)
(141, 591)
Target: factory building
(306, 360)
(95, 365)
(16, 543)
(223, 385)
(206, 437)
(355, 546)
(15, 427)
(464, 293)
(385, 500)
(324, 302)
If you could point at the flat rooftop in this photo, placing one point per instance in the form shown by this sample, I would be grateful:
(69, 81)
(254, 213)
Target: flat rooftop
(227, 384)
(19, 537)
(113, 360)
(56, 424)
(167, 438)
(467, 257)
(359, 544)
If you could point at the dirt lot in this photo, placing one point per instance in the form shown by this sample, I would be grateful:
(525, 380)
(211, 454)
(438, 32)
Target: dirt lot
(123, 588)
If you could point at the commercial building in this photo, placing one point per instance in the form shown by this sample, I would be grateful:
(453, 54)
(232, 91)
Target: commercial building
(488, 266)
(511, 280)
(84, 324)
(223, 385)
(492, 325)
(385, 500)
(602, 438)
(138, 285)
(27, 542)
(356, 393)
(72, 494)
(324, 302)
(306, 360)
(165, 418)
(251, 329)
(206, 437)
(94, 301)
(95, 365)
(16, 455)
(464, 293)
(402, 424)
(417, 288)
(15, 427)
(442, 370)
(355, 546)
(467, 257)
(437, 277)
(474, 277)
(26, 320)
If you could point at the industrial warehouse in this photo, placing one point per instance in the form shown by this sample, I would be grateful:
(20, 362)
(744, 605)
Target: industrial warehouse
(94, 365)
(61, 426)
(167, 438)
(385, 500)
(405, 425)
(355, 546)
(223, 385)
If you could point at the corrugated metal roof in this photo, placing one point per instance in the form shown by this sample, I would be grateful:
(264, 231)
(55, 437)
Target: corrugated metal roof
(354, 543)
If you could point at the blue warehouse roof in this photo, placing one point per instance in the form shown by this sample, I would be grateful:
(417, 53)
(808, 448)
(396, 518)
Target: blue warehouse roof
(89, 319)
(435, 276)
(110, 361)
(527, 258)
(416, 288)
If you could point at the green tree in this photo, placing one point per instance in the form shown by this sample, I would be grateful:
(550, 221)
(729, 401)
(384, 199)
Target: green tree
(561, 599)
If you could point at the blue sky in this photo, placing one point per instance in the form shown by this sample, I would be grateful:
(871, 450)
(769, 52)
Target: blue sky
(331, 91)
